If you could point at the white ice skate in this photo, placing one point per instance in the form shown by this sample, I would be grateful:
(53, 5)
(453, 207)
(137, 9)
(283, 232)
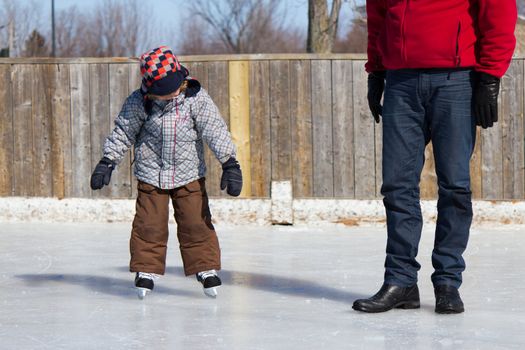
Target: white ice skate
(144, 283)
(210, 282)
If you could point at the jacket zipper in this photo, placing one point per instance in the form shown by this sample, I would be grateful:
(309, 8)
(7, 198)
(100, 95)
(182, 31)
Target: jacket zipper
(403, 40)
(175, 144)
(458, 59)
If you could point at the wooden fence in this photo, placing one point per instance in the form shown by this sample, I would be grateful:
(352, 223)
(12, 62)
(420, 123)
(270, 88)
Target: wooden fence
(302, 118)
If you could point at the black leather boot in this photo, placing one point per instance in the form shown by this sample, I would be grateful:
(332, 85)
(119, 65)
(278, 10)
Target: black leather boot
(448, 300)
(389, 297)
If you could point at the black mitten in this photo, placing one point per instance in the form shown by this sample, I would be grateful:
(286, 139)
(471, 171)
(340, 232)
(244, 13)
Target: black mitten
(231, 177)
(102, 173)
(376, 86)
(485, 100)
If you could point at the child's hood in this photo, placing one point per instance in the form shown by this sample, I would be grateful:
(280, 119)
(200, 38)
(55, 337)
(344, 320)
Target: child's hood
(194, 86)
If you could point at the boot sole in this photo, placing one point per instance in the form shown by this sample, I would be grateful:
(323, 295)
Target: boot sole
(405, 305)
(449, 311)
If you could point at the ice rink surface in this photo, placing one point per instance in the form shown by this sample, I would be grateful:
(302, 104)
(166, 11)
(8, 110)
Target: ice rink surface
(67, 286)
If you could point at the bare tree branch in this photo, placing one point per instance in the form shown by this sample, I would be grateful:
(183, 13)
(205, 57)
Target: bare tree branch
(355, 40)
(244, 26)
(25, 18)
(113, 28)
(334, 18)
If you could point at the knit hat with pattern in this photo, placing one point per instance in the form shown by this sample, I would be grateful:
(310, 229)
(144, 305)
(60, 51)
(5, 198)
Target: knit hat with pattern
(161, 72)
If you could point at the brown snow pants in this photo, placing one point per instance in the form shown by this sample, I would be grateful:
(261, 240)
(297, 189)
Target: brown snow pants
(198, 241)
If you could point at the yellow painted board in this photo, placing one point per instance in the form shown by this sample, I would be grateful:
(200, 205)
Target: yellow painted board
(239, 86)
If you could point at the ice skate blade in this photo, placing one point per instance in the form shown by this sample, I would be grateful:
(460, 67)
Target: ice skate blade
(142, 292)
(211, 292)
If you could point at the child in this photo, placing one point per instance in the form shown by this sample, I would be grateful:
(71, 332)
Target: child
(167, 120)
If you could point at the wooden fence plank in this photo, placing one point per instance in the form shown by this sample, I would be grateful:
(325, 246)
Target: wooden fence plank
(23, 170)
(42, 123)
(511, 120)
(198, 71)
(475, 168)
(135, 80)
(6, 131)
(301, 128)
(492, 151)
(364, 156)
(343, 129)
(61, 150)
(218, 87)
(280, 121)
(239, 93)
(323, 159)
(120, 186)
(99, 116)
(260, 128)
(492, 162)
(80, 130)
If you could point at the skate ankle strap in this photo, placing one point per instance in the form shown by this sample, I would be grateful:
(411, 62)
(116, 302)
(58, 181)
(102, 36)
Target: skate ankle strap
(206, 274)
(150, 276)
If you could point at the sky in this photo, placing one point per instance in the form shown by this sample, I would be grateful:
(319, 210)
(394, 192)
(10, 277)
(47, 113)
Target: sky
(296, 10)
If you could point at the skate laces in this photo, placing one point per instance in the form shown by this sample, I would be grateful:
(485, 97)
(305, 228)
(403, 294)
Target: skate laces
(205, 274)
(150, 276)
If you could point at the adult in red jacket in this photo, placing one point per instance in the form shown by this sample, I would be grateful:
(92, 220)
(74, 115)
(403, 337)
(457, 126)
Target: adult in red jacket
(442, 61)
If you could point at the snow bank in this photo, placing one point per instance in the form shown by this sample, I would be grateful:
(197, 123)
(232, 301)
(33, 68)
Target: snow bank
(248, 211)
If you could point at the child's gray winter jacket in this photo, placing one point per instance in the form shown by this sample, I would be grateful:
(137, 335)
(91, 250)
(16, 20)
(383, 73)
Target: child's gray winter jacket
(169, 142)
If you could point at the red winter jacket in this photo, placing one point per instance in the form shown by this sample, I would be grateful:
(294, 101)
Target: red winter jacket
(441, 34)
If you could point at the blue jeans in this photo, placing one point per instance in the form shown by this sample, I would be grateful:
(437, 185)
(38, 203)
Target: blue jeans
(422, 106)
